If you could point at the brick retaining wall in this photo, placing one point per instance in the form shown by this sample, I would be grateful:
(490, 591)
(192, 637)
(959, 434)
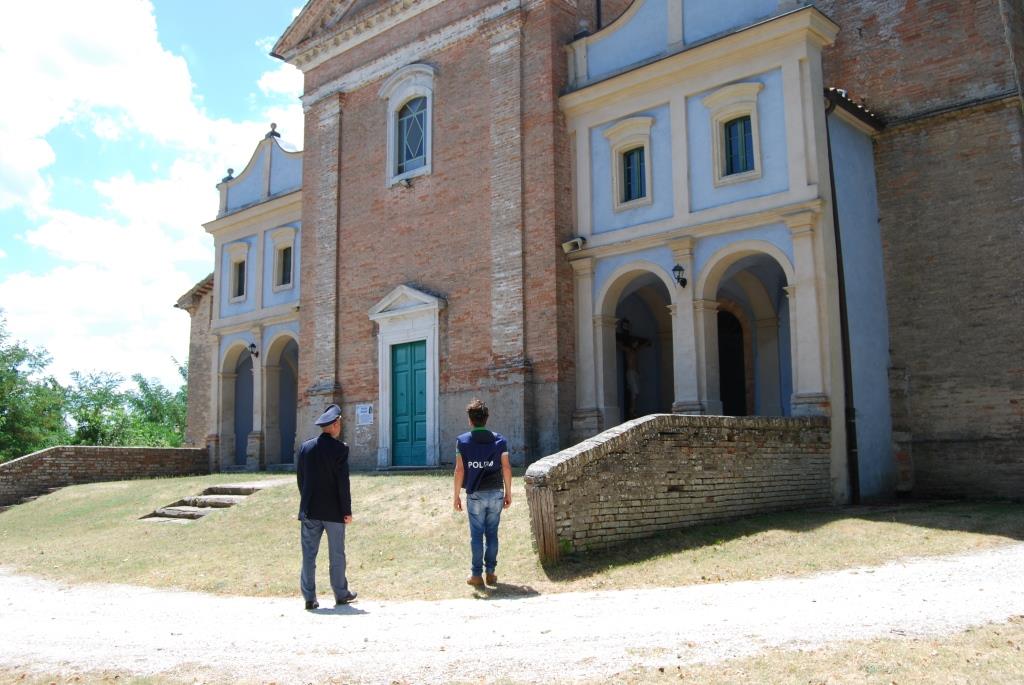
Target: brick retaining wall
(55, 467)
(668, 471)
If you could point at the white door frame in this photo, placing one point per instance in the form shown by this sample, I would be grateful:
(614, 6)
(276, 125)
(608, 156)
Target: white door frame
(407, 315)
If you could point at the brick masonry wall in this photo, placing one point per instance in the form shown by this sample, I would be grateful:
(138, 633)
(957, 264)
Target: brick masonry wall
(56, 467)
(199, 378)
(669, 471)
(951, 205)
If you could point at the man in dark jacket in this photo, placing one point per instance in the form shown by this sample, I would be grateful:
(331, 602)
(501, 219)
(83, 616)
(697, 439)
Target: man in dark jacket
(482, 468)
(325, 505)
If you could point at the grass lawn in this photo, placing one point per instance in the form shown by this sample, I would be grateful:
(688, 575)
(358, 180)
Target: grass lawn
(407, 543)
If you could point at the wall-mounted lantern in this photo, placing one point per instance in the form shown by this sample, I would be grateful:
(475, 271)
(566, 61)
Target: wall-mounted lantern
(677, 273)
(253, 351)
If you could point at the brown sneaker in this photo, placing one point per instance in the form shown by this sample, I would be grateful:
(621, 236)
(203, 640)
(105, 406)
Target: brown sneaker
(475, 581)
(491, 579)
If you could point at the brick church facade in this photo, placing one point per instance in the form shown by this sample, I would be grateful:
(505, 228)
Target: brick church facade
(585, 212)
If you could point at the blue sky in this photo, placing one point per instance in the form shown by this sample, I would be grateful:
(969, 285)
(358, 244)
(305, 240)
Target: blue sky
(120, 119)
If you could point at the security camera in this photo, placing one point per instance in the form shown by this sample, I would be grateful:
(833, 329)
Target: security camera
(573, 245)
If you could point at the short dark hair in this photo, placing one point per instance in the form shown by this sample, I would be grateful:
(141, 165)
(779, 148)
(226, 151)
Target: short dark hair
(477, 412)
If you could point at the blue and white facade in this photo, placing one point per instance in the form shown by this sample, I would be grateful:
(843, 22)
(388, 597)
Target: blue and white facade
(255, 311)
(724, 102)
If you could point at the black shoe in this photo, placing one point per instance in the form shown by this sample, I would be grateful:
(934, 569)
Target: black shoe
(312, 604)
(347, 599)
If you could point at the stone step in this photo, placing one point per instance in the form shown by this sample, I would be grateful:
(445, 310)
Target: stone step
(182, 512)
(243, 488)
(231, 489)
(164, 519)
(215, 501)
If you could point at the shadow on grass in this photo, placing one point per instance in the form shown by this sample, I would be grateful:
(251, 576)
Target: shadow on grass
(505, 591)
(988, 518)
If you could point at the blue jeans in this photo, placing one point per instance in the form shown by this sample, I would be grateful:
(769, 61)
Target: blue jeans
(484, 508)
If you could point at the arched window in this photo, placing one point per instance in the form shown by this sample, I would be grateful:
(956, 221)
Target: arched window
(412, 125)
(410, 96)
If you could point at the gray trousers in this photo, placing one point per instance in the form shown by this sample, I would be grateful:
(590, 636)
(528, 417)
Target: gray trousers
(312, 533)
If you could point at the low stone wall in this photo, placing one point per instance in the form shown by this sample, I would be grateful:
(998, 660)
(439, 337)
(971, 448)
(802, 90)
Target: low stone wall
(668, 471)
(55, 467)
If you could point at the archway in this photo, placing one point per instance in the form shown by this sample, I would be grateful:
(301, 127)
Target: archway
(732, 364)
(236, 419)
(635, 342)
(281, 375)
(748, 343)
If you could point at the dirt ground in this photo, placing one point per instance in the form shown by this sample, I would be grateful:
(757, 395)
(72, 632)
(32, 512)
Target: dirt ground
(53, 628)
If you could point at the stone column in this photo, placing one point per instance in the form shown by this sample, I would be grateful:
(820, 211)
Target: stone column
(705, 315)
(687, 397)
(810, 396)
(768, 366)
(607, 379)
(318, 315)
(254, 442)
(586, 419)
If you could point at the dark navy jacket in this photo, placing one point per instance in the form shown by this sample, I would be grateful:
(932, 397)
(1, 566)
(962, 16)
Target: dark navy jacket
(481, 452)
(322, 473)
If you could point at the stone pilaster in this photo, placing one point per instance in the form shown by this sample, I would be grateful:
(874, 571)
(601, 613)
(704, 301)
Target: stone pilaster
(686, 398)
(318, 316)
(510, 366)
(586, 419)
(705, 316)
(809, 393)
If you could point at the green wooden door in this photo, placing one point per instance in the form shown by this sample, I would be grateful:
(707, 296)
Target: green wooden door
(409, 404)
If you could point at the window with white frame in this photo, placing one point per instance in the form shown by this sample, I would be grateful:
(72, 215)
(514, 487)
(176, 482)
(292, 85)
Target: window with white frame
(630, 142)
(735, 133)
(409, 93)
(283, 240)
(237, 257)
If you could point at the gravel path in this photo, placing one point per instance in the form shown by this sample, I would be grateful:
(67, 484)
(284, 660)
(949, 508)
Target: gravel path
(52, 627)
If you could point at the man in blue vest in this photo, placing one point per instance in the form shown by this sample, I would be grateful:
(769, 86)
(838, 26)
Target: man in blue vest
(482, 468)
(325, 505)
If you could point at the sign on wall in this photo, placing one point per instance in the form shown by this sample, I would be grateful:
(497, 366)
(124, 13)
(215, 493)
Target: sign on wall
(364, 414)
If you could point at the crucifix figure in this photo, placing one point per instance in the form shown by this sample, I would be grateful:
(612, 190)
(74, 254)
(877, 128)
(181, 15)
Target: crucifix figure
(630, 346)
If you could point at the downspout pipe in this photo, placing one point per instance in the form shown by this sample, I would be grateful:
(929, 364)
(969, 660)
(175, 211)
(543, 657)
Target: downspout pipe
(597, 15)
(852, 458)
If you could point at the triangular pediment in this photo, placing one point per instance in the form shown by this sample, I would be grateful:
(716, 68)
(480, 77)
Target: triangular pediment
(405, 300)
(320, 20)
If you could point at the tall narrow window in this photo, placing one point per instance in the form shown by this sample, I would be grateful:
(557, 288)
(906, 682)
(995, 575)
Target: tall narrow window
(411, 135)
(239, 280)
(410, 96)
(284, 268)
(629, 141)
(634, 181)
(739, 146)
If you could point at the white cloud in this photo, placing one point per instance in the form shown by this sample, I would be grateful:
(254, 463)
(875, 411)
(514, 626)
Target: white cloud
(107, 302)
(3, 255)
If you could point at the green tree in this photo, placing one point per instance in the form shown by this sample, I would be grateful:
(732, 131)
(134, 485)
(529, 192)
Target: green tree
(158, 416)
(31, 402)
(98, 409)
